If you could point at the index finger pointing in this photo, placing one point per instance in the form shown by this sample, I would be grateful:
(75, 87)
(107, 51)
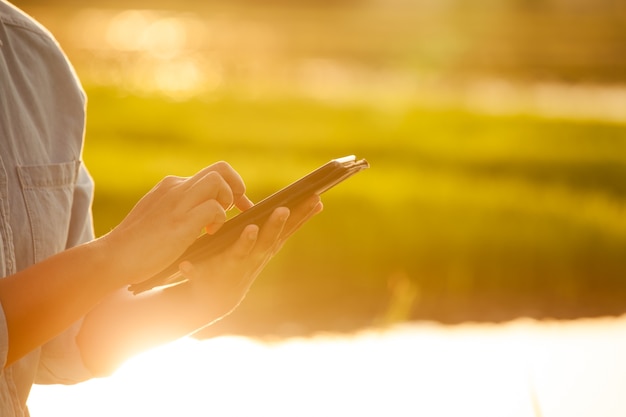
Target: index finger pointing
(228, 173)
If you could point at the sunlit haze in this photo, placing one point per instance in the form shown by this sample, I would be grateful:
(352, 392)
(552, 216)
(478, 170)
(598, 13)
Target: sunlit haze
(186, 54)
(521, 369)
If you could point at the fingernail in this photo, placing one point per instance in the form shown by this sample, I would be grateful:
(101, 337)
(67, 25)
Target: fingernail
(185, 267)
(252, 234)
(210, 229)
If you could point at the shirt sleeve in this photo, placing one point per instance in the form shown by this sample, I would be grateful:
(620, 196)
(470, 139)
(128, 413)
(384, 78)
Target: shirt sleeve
(4, 338)
(61, 361)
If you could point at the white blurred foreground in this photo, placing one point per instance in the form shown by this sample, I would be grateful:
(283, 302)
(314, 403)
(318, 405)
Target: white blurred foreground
(520, 369)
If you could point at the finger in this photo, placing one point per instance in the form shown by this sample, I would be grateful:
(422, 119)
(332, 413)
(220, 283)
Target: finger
(301, 214)
(246, 242)
(209, 214)
(211, 186)
(228, 173)
(244, 203)
(295, 223)
(271, 230)
(187, 269)
(239, 251)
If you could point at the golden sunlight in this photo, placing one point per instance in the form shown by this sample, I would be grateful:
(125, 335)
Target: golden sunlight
(134, 30)
(154, 50)
(521, 369)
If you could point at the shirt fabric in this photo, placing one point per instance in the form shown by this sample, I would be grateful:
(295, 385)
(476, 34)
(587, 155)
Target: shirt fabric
(45, 190)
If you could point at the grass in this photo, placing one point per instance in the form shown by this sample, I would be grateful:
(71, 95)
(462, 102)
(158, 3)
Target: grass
(483, 217)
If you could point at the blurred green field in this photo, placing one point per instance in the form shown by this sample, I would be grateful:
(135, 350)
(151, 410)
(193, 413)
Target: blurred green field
(463, 216)
(481, 203)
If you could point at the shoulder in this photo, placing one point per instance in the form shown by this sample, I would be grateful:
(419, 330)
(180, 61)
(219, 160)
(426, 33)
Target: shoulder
(14, 18)
(41, 95)
(29, 51)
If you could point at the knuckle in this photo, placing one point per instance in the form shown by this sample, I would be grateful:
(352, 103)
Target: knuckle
(218, 214)
(214, 177)
(239, 189)
(166, 184)
(222, 166)
(170, 181)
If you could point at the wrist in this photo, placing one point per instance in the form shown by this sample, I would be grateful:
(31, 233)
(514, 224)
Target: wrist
(116, 260)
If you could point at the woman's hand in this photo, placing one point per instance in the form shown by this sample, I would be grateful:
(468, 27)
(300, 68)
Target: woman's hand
(218, 284)
(168, 219)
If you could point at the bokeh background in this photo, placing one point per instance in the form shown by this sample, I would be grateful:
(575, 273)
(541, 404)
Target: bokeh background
(496, 132)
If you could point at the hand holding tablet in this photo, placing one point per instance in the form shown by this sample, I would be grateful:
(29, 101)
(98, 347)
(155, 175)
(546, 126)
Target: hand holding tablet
(316, 182)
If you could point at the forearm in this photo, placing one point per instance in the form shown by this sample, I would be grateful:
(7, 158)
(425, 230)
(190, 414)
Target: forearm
(44, 299)
(123, 324)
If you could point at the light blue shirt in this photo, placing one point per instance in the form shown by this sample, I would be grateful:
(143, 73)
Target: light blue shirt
(45, 191)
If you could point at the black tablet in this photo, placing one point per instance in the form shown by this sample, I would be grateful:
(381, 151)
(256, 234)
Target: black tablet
(316, 182)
